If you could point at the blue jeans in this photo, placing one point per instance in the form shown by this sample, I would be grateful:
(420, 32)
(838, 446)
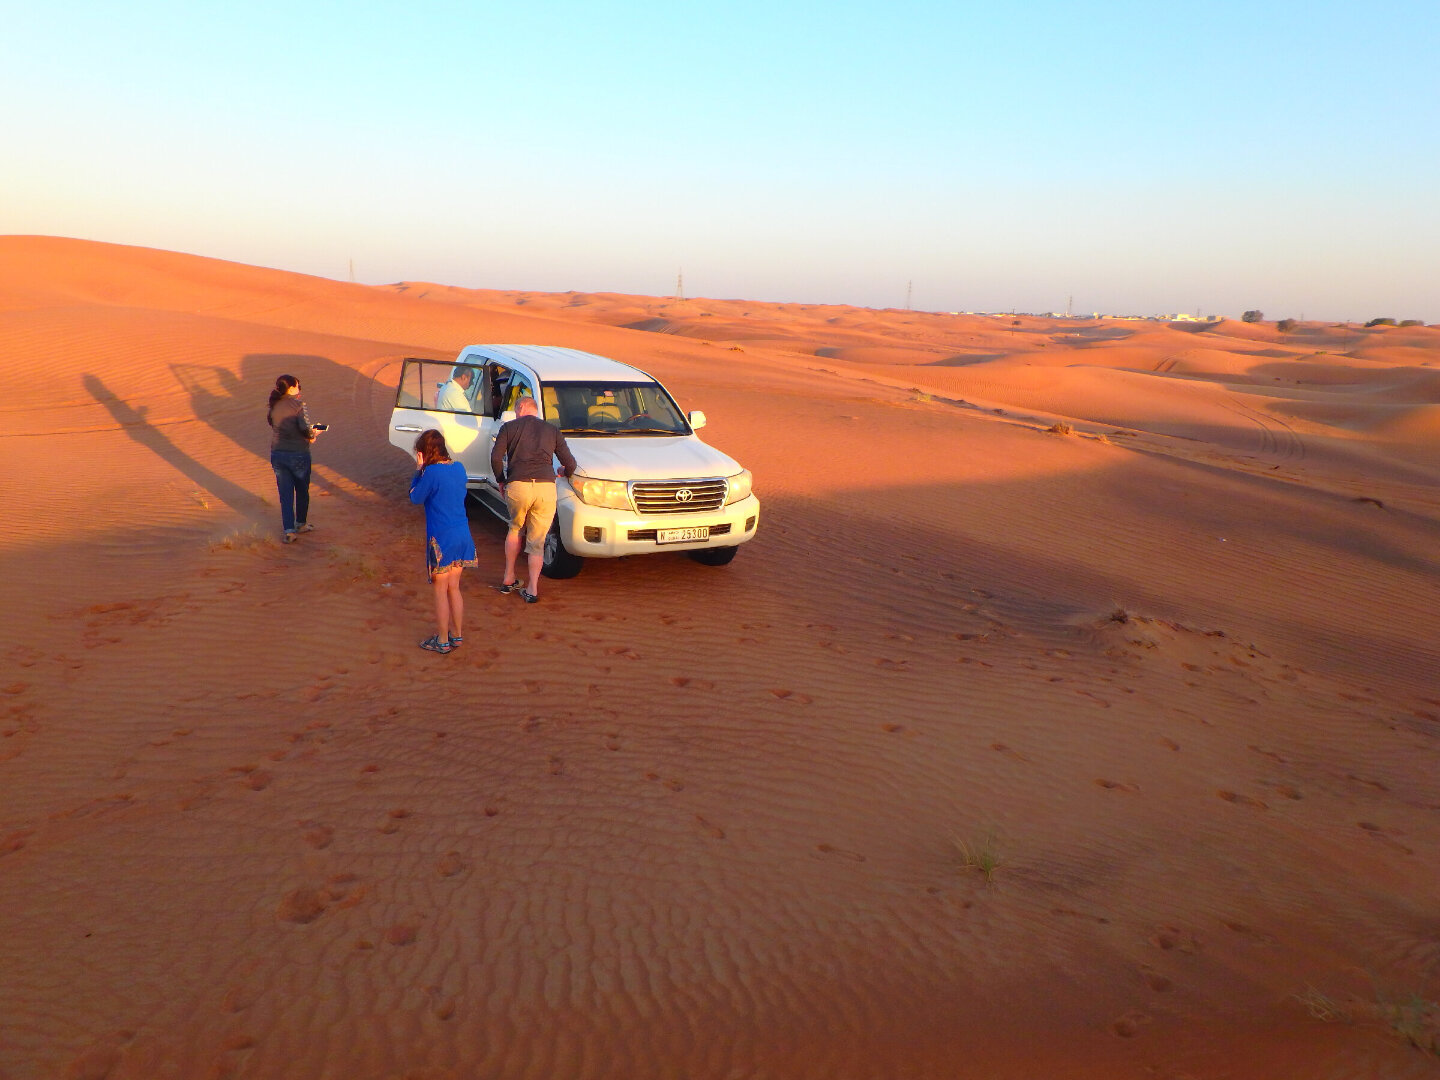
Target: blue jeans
(292, 477)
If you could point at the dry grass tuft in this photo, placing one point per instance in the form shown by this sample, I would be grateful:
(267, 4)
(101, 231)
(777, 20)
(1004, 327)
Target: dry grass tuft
(982, 855)
(250, 539)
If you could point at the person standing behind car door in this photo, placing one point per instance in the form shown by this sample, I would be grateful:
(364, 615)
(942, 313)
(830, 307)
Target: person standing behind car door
(291, 434)
(521, 461)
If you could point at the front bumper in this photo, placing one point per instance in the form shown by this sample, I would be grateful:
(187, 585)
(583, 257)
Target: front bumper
(596, 532)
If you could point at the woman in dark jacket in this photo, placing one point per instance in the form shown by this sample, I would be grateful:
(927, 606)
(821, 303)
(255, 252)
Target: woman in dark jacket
(291, 434)
(440, 485)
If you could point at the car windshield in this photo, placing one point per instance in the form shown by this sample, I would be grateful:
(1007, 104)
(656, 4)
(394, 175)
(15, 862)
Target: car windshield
(606, 408)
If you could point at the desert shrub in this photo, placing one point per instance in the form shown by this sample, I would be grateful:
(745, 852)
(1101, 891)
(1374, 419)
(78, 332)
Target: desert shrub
(1286, 325)
(1380, 322)
(1252, 316)
(1412, 322)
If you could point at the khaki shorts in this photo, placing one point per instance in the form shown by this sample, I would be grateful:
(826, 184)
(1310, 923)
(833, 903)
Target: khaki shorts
(532, 508)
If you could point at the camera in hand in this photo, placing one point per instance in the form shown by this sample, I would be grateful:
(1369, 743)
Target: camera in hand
(320, 427)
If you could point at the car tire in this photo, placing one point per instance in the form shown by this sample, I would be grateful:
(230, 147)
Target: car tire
(716, 556)
(559, 562)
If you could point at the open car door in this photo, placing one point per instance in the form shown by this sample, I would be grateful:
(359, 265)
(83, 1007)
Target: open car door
(448, 397)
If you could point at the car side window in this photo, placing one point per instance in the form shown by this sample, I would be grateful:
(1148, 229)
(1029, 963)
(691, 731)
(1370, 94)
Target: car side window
(421, 382)
(460, 390)
(520, 386)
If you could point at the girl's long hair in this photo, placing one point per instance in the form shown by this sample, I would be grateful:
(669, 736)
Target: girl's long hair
(431, 447)
(282, 387)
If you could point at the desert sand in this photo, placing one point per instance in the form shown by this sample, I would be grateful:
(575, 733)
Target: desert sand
(1142, 616)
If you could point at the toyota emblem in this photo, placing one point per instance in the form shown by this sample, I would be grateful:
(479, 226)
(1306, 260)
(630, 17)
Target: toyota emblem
(684, 495)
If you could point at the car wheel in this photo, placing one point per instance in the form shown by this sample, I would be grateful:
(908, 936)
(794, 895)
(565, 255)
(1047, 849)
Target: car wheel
(559, 562)
(716, 556)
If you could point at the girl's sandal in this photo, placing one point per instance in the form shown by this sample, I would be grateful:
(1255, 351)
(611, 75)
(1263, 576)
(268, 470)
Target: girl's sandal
(456, 640)
(434, 644)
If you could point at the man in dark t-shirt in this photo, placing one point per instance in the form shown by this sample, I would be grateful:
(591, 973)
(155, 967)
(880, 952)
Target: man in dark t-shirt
(522, 462)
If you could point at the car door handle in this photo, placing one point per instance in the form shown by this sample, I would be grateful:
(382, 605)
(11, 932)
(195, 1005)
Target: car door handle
(408, 427)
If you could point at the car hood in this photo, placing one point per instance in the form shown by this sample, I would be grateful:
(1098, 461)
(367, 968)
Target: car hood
(648, 457)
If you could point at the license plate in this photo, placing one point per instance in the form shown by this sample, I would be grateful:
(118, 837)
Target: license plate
(680, 536)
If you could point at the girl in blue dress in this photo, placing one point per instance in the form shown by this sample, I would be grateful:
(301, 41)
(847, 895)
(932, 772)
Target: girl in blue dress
(439, 484)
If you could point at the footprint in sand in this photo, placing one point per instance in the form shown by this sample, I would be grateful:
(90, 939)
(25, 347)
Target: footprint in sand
(1242, 800)
(401, 934)
(684, 681)
(449, 864)
(1268, 754)
(612, 740)
(1116, 785)
(793, 697)
(1375, 784)
(1250, 932)
(709, 828)
(317, 835)
(1159, 983)
(1073, 914)
(302, 906)
(830, 850)
(1001, 748)
(442, 1005)
(393, 819)
(893, 729)
(1129, 1025)
(100, 1059)
(555, 765)
(1383, 836)
(1173, 939)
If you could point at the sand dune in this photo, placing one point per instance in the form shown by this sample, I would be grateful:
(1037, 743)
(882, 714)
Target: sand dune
(1174, 670)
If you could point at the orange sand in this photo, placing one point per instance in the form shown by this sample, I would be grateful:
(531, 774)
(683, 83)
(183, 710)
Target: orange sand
(1179, 666)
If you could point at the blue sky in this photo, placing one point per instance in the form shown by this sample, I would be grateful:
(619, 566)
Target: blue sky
(1135, 157)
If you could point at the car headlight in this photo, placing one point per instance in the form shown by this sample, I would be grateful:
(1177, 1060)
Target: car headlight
(737, 487)
(609, 493)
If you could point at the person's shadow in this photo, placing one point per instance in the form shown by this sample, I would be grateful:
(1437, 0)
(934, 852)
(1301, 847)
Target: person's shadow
(132, 420)
(357, 409)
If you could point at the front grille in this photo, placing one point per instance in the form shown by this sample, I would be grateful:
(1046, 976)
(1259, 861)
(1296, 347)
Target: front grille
(649, 534)
(678, 496)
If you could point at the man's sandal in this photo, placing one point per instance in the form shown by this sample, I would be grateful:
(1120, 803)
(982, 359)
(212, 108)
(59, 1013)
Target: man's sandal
(434, 644)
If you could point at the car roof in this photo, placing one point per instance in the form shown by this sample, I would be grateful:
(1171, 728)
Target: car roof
(555, 363)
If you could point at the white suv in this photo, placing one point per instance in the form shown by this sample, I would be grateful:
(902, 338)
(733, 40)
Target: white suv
(645, 481)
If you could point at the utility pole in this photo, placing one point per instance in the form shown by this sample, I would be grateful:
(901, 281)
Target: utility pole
(680, 284)
(352, 269)
(1069, 303)
(909, 292)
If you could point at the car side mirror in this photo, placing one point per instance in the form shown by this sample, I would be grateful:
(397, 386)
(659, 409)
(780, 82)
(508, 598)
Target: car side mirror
(697, 420)
(507, 416)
